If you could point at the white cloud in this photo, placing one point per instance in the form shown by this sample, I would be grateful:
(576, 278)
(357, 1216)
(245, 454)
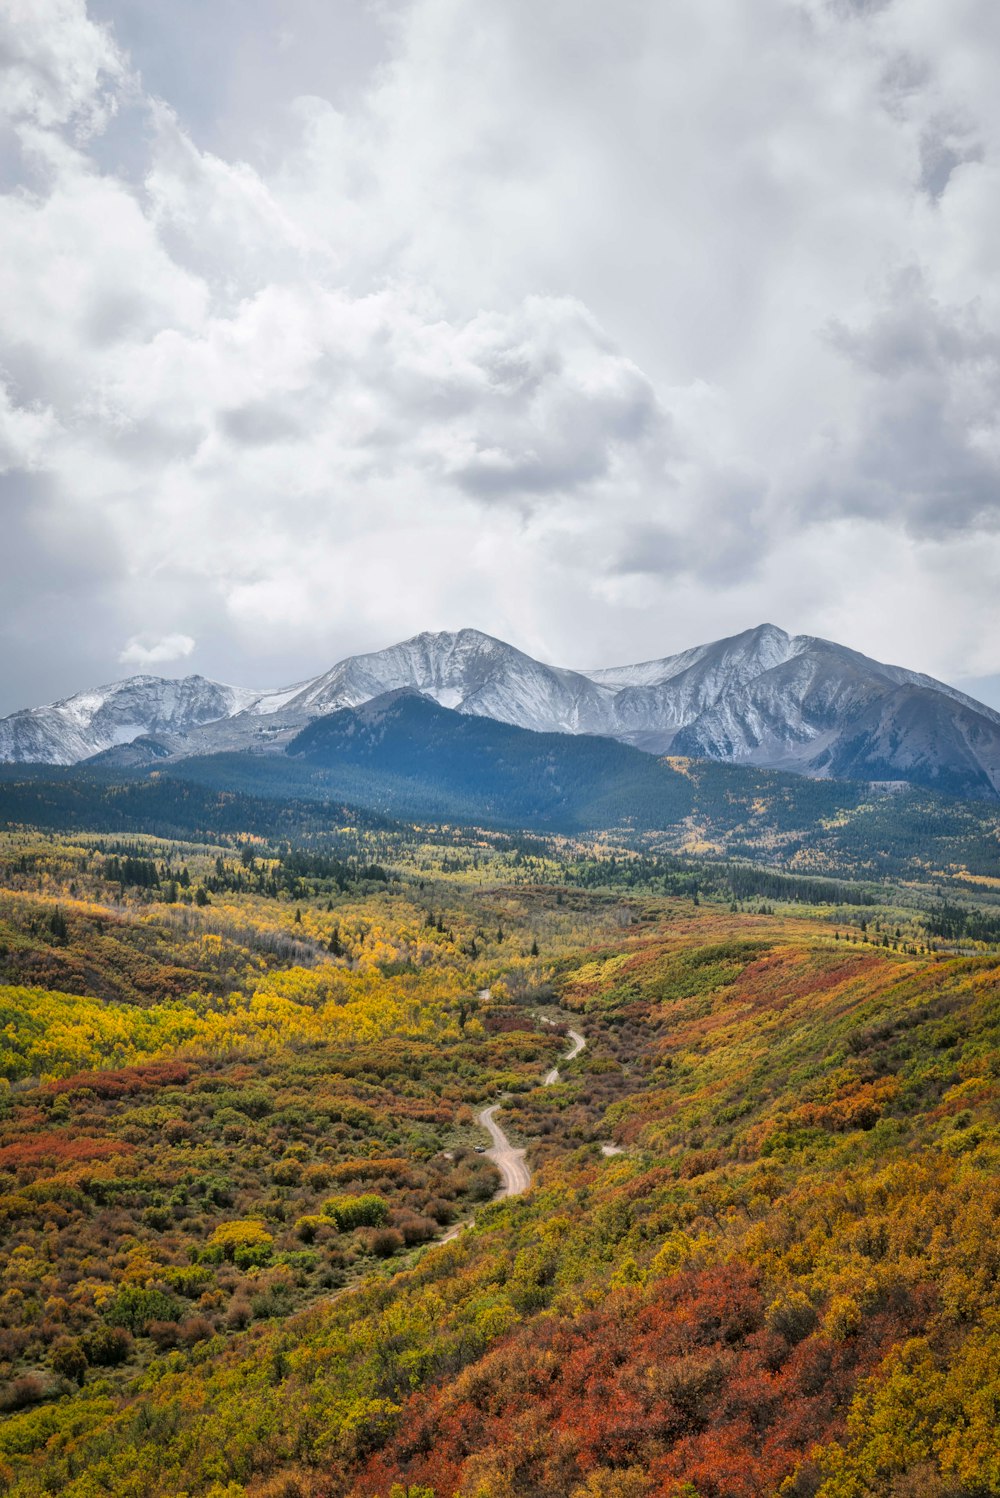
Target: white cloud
(149, 652)
(604, 330)
(58, 67)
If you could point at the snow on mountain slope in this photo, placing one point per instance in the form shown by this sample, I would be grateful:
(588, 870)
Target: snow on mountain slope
(744, 655)
(473, 673)
(659, 698)
(831, 711)
(761, 697)
(77, 727)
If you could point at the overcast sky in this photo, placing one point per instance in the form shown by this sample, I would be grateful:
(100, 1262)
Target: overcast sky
(608, 329)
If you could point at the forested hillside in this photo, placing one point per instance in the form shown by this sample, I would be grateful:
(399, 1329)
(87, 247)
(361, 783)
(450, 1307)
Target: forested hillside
(759, 1250)
(405, 759)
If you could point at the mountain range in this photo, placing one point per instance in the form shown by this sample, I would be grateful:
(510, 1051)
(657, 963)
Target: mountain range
(761, 698)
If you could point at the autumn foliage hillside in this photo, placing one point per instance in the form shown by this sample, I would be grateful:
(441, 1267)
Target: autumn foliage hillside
(760, 1254)
(788, 1280)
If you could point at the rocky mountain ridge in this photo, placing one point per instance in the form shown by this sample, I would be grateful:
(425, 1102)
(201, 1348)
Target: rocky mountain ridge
(762, 697)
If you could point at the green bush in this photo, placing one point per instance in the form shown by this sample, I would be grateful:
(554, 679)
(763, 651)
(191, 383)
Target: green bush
(134, 1308)
(189, 1282)
(107, 1346)
(274, 1300)
(252, 1255)
(347, 1212)
(159, 1218)
(69, 1360)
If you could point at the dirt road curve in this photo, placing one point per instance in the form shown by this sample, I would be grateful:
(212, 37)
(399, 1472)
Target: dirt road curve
(576, 1045)
(510, 1161)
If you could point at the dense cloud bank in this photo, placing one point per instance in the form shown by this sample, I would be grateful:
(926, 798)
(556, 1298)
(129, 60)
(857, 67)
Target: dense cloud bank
(606, 331)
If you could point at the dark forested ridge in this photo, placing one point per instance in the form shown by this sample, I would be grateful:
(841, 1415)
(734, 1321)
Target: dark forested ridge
(404, 758)
(406, 749)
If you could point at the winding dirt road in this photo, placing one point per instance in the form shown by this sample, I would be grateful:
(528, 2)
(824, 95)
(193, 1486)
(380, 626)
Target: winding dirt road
(577, 1043)
(510, 1162)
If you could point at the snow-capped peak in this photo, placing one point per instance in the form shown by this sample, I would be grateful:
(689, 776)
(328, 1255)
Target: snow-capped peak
(89, 722)
(761, 696)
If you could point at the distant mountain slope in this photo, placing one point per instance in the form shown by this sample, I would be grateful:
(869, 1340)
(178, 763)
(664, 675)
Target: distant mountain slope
(762, 697)
(78, 727)
(915, 735)
(828, 711)
(367, 766)
(472, 672)
(404, 755)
